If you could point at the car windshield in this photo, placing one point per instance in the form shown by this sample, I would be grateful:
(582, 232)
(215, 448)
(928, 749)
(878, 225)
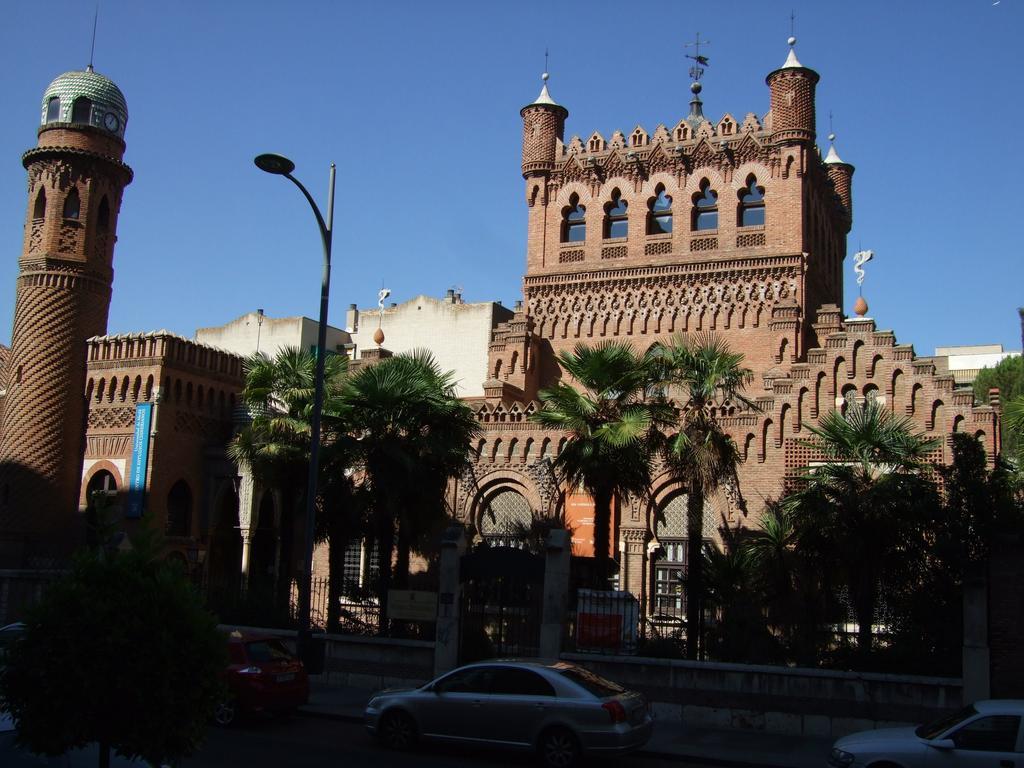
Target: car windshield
(262, 651)
(936, 728)
(595, 684)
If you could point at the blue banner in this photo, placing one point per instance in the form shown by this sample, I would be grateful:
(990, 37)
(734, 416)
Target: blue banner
(140, 460)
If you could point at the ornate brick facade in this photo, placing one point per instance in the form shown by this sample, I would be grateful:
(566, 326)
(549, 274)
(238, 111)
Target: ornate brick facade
(772, 289)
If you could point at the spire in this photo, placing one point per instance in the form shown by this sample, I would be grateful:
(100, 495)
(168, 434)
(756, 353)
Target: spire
(545, 97)
(791, 60)
(832, 156)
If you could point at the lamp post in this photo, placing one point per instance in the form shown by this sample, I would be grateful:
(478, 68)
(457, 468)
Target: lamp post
(282, 166)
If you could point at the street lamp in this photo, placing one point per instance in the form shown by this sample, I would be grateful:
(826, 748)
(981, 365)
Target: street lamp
(282, 166)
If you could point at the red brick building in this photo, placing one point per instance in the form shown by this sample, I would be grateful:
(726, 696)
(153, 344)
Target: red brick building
(736, 226)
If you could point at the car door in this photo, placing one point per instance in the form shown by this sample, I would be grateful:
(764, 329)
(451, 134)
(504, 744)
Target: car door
(989, 741)
(520, 701)
(453, 708)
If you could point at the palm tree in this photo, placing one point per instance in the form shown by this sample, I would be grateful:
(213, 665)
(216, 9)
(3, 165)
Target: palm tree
(275, 444)
(864, 512)
(612, 422)
(702, 375)
(407, 435)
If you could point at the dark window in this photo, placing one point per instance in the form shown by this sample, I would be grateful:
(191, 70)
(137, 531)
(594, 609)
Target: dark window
(989, 734)
(53, 109)
(72, 204)
(705, 212)
(81, 111)
(103, 214)
(520, 682)
(574, 227)
(179, 510)
(101, 484)
(595, 684)
(752, 204)
(39, 211)
(473, 680)
(616, 221)
(660, 220)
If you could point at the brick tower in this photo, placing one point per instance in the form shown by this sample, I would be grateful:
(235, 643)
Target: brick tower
(75, 182)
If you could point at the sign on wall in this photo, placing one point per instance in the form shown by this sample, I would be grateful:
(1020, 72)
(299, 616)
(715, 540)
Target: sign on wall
(412, 605)
(140, 460)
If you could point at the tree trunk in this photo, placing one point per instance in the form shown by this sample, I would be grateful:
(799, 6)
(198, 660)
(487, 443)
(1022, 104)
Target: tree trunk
(602, 536)
(402, 557)
(694, 569)
(385, 548)
(104, 754)
(336, 545)
(864, 609)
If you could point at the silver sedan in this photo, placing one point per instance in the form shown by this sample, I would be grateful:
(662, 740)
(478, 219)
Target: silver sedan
(988, 733)
(560, 710)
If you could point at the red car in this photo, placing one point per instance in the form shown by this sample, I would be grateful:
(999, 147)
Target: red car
(263, 675)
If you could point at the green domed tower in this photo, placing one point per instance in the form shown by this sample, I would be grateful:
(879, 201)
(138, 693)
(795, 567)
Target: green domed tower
(76, 178)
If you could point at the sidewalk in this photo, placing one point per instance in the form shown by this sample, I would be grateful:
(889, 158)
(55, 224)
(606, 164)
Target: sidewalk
(722, 746)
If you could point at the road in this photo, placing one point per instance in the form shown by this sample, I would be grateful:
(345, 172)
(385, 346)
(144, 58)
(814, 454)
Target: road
(315, 742)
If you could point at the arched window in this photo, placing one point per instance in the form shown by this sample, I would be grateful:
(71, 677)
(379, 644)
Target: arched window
(660, 220)
(53, 109)
(81, 111)
(616, 223)
(505, 519)
(574, 224)
(39, 211)
(103, 215)
(705, 207)
(179, 510)
(72, 204)
(751, 204)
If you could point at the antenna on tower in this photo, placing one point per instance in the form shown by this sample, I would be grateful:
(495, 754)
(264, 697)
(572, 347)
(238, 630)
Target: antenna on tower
(792, 21)
(696, 72)
(699, 62)
(92, 47)
(545, 59)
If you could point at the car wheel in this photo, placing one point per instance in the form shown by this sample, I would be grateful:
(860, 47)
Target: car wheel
(397, 731)
(558, 748)
(226, 712)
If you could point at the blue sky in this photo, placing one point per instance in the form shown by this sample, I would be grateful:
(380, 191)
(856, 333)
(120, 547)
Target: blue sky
(418, 104)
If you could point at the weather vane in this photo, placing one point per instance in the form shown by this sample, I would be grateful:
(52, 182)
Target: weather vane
(382, 294)
(860, 258)
(699, 61)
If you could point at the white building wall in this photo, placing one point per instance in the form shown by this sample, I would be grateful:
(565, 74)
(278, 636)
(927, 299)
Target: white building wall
(457, 334)
(243, 334)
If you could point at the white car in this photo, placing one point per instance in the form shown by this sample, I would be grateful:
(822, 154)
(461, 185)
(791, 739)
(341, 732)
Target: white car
(988, 733)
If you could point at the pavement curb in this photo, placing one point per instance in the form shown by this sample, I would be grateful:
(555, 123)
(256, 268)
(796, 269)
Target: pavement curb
(655, 754)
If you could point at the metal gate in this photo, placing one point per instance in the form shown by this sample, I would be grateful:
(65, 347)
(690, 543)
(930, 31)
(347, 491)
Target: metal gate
(502, 600)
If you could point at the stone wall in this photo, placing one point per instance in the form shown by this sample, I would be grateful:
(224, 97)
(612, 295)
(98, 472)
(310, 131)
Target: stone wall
(811, 702)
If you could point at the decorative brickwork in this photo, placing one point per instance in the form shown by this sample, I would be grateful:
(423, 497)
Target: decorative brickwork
(658, 249)
(751, 240)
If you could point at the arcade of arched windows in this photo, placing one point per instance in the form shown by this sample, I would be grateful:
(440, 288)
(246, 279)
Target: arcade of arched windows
(126, 389)
(622, 205)
(502, 414)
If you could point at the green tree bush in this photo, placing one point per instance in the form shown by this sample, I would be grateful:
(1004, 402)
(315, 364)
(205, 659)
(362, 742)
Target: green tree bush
(1008, 376)
(119, 652)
